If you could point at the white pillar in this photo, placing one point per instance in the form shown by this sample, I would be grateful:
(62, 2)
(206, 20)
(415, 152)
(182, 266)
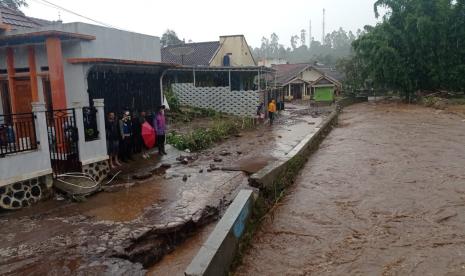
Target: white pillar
(80, 127)
(304, 92)
(99, 105)
(38, 108)
(289, 92)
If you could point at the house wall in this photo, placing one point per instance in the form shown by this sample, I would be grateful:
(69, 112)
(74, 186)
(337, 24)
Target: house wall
(310, 75)
(26, 165)
(109, 43)
(237, 45)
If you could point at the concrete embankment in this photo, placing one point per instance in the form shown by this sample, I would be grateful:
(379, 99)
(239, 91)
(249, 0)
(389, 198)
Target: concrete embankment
(225, 244)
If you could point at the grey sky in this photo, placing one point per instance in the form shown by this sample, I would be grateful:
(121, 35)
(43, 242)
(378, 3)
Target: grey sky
(205, 20)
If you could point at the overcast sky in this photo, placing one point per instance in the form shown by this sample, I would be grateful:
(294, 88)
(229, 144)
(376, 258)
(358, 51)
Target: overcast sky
(206, 20)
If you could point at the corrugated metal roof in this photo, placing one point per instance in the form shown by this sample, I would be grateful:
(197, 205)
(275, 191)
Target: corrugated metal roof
(192, 54)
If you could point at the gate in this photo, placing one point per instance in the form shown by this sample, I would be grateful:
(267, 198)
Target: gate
(63, 141)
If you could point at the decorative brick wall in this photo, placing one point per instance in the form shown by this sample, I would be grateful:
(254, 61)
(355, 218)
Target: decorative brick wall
(25, 193)
(221, 99)
(98, 171)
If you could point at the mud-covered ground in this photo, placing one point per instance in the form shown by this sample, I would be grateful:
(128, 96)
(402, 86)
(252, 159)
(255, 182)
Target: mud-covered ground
(135, 222)
(384, 195)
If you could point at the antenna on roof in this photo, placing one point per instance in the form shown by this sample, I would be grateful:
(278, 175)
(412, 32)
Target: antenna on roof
(59, 17)
(324, 25)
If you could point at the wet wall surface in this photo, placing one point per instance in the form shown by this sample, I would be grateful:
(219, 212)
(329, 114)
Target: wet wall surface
(384, 195)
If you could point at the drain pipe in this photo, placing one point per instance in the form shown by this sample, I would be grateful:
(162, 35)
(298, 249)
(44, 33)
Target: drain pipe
(162, 94)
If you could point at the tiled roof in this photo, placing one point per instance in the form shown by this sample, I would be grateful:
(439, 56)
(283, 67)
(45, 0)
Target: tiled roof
(286, 72)
(17, 19)
(331, 72)
(192, 54)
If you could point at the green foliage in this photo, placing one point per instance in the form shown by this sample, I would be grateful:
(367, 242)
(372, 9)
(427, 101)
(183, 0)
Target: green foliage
(172, 100)
(170, 37)
(419, 45)
(203, 138)
(14, 4)
(336, 45)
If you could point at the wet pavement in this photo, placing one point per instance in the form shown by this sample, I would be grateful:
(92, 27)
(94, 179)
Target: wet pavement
(383, 195)
(146, 212)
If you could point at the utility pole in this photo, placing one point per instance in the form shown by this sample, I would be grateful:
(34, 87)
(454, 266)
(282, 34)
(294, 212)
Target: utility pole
(324, 26)
(310, 34)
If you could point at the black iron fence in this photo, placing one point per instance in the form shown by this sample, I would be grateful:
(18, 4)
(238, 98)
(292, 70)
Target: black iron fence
(63, 141)
(91, 131)
(17, 133)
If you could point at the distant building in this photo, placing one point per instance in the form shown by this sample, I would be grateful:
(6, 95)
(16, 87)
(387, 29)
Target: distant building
(229, 51)
(269, 62)
(304, 81)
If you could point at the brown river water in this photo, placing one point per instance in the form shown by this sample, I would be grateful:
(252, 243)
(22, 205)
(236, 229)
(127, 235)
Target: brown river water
(384, 195)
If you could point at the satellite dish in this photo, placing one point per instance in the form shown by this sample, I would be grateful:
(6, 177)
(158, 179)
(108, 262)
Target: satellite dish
(181, 51)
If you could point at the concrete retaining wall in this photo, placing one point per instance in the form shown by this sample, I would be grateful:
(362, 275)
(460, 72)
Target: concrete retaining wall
(217, 253)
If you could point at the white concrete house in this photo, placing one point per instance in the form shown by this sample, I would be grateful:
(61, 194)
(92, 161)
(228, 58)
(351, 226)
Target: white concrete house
(56, 82)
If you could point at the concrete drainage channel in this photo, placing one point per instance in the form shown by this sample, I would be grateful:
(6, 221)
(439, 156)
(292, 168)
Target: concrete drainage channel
(220, 250)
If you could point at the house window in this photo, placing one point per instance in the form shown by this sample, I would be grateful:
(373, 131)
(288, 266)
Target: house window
(5, 98)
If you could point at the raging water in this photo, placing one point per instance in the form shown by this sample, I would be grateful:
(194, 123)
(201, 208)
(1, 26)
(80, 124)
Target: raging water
(384, 195)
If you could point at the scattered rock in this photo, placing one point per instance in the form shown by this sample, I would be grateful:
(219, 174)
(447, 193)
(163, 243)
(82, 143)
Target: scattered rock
(187, 150)
(239, 152)
(218, 160)
(142, 176)
(185, 159)
(201, 171)
(209, 170)
(238, 135)
(213, 167)
(311, 123)
(184, 178)
(225, 153)
(279, 136)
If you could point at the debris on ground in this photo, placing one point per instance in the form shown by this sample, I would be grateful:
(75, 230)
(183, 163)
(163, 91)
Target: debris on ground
(225, 153)
(218, 160)
(142, 175)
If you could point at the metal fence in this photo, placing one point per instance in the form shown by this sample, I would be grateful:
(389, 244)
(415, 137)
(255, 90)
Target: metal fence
(89, 115)
(63, 141)
(17, 133)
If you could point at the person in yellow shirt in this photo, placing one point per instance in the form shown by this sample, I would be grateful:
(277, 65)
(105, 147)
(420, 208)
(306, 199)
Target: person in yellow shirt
(271, 111)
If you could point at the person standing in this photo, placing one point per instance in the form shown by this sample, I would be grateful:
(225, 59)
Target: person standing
(113, 137)
(136, 133)
(271, 111)
(160, 129)
(125, 129)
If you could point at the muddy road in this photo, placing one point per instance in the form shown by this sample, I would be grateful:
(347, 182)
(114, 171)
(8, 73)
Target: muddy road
(384, 195)
(146, 212)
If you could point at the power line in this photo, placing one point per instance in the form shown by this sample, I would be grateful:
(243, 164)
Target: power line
(52, 5)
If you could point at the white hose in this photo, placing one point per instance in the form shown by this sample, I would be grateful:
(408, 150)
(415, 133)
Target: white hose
(85, 176)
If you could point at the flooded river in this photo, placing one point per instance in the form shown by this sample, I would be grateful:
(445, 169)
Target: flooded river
(384, 195)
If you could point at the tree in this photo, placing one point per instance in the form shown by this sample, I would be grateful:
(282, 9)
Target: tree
(170, 38)
(294, 39)
(14, 4)
(418, 46)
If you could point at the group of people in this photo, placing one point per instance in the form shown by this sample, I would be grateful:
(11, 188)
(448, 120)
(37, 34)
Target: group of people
(124, 134)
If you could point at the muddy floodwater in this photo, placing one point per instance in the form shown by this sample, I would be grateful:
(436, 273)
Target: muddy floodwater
(384, 195)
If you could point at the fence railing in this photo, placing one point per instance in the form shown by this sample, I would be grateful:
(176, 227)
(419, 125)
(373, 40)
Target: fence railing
(17, 133)
(89, 115)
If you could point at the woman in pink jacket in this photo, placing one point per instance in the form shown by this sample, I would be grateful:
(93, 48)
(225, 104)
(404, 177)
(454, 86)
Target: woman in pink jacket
(159, 123)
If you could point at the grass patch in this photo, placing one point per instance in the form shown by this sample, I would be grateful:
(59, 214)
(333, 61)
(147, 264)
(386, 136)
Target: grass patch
(203, 138)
